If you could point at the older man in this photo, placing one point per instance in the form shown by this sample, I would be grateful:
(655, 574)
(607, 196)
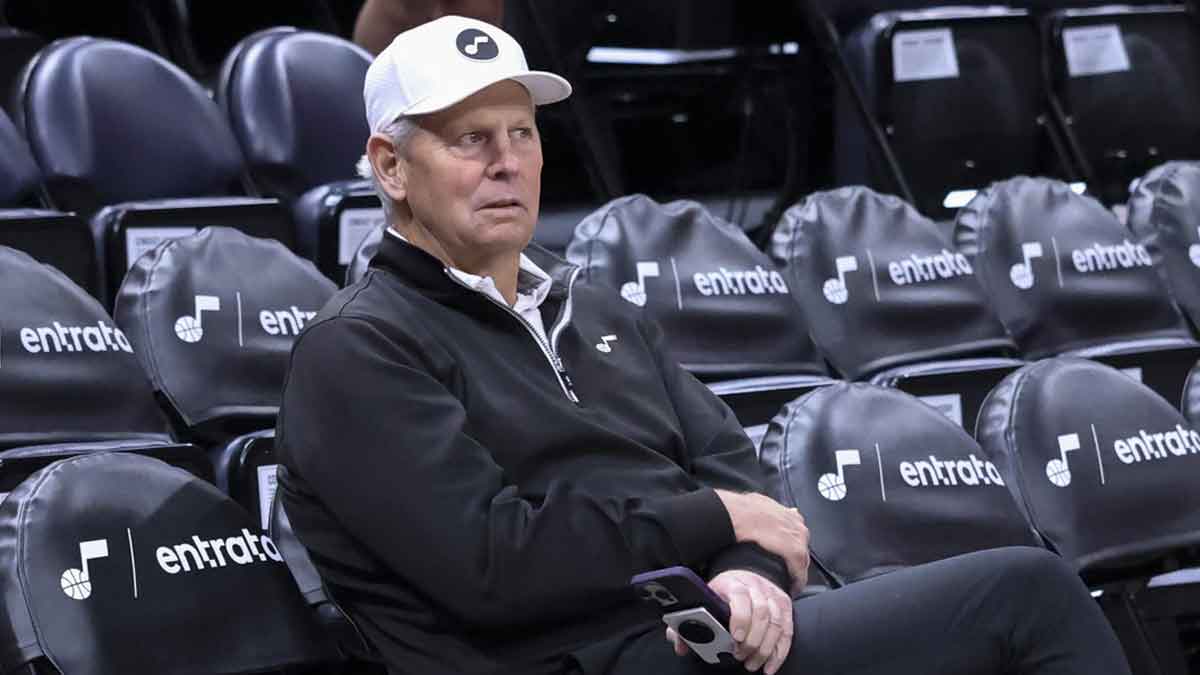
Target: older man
(480, 453)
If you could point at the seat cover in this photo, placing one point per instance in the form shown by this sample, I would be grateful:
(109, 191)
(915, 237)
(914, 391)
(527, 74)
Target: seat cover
(1060, 271)
(726, 309)
(213, 317)
(1104, 467)
(881, 285)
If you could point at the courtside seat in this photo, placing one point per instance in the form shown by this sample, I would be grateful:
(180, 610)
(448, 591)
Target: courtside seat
(1065, 279)
(294, 101)
(113, 125)
(17, 464)
(1164, 213)
(727, 312)
(885, 482)
(118, 563)
(212, 318)
(887, 299)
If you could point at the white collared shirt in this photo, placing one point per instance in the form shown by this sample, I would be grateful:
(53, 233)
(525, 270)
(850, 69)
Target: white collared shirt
(533, 285)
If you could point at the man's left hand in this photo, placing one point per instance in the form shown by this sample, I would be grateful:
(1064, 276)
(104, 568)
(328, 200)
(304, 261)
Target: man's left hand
(760, 620)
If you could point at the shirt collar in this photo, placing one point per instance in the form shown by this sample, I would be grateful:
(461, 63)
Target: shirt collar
(532, 281)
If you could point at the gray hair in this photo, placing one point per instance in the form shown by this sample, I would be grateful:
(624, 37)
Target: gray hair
(400, 130)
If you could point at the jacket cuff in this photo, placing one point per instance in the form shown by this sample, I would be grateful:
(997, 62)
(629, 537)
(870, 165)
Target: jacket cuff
(698, 524)
(753, 558)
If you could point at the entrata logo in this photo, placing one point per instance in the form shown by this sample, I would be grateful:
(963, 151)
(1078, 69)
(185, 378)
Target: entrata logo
(835, 289)
(477, 45)
(832, 486)
(213, 553)
(59, 338)
(1100, 258)
(1146, 446)
(919, 269)
(938, 472)
(757, 281)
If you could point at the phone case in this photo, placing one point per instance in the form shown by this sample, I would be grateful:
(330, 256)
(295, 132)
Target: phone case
(678, 588)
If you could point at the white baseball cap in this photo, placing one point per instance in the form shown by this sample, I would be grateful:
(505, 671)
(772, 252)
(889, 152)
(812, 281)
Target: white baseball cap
(437, 64)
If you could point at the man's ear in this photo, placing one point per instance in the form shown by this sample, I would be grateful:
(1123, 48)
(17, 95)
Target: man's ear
(388, 165)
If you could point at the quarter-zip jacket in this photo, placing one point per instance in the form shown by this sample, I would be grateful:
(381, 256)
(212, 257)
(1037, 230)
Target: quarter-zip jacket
(476, 497)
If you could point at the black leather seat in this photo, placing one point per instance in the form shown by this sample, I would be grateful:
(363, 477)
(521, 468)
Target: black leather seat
(1065, 279)
(887, 299)
(886, 482)
(113, 126)
(117, 563)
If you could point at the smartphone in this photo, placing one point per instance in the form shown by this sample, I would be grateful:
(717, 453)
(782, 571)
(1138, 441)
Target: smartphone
(688, 605)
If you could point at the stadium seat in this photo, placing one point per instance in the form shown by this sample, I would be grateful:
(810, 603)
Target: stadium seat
(18, 464)
(885, 482)
(886, 298)
(1164, 214)
(1065, 279)
(117, 563)
(958, 94)
(212, 318)
(1125, 79)
(1104, 469)
(120, 135)
(728, 314)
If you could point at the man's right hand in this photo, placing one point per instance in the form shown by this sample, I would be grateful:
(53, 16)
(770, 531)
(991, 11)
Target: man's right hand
(777, 529)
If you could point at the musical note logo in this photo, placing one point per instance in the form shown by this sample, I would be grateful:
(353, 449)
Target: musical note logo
(1059, 470)
(477, 45)
(473, 48)
(603, 345)
(190, 327)
(1021, 273)
(1194, 251)
(77, 583)
(832, 486)
(835, 289)
(635, 291)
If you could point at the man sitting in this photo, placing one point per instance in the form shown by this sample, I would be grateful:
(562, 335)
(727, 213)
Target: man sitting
(477, 479)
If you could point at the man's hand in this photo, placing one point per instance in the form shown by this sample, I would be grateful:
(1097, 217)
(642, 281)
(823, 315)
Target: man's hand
(776, 528)
(760, 620)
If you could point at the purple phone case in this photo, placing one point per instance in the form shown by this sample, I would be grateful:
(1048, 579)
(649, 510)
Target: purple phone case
(688, 589)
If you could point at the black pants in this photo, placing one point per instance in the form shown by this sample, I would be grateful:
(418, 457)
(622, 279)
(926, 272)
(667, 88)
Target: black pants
(1006, 611)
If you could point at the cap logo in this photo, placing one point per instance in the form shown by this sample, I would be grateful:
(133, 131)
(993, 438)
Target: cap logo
(477, 45)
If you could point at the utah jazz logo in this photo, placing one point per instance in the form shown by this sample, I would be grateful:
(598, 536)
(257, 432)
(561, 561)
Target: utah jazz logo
(1194, 251)
(835, 289)
(1059, 470)
(635, 291)
(77, 583)
(190, 327)
(832, 486)
(477, 45)
(1021, 274)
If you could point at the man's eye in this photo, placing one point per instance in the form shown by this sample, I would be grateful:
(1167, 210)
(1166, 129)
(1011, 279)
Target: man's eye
(523, 132)
(473, 138)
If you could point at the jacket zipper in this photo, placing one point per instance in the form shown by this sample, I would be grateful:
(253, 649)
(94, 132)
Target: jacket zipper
(560, 370)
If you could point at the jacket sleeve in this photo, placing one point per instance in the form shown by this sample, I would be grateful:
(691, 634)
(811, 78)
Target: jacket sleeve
(382, 444)
(721, 454)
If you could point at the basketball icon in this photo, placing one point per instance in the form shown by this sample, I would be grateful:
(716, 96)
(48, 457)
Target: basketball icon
(832, 487)
(76, 584)
(1194, 254)
(1058, 472)
(188, 329)
(1021, 276)
(634, 292)
(835, 291)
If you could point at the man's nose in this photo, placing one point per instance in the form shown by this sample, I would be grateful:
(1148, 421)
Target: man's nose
(505, 162)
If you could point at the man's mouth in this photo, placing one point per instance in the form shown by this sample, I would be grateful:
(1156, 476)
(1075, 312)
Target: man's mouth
(503, 203)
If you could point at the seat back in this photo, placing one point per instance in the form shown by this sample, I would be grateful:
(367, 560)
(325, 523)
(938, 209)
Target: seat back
(1164, 214)
(67, 372)
(1125, 77)
(294, 100)
(1061, 271)
(725, 308)
(885, 481)
(1102, 466)
(213, 317)
(20, 177)
(856, 260)
(109, 122)
(115, 562)
(18, 464)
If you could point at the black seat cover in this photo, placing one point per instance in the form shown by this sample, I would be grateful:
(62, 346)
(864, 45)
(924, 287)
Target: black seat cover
(213, 317)
(117, 563)
(109, 122)
(67, 373)
(1164, 213)
(1082, 281)
(885, 481)
(726, 310)
(294, 100)
(1103, 467)
(19, 173)
(881, 285)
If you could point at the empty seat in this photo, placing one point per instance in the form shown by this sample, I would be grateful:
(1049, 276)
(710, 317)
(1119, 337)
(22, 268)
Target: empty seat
(213, 317)
(1065, 278)
(1164, 213)
(958, 94)
(727, 312)
(116, 563)
(887, 298)
(113, 125)
(1125, 78)
(885, 482)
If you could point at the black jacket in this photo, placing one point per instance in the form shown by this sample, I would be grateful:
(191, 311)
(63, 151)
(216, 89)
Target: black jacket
(465, 509)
